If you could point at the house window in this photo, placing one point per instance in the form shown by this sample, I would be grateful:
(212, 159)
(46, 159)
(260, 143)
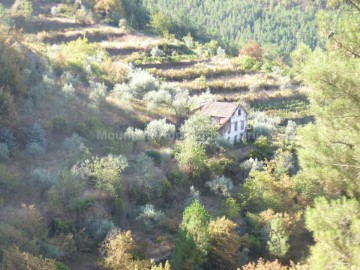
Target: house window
(235, 139)
(236, 126)
(229, 139)
(229, 128)
(242, 125)
(239, 112)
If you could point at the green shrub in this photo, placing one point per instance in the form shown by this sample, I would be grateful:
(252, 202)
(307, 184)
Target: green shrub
(43, 178)
(100, 228)
(59, 125)
(22, 8)
(149, 216)
(221, 186)
(4, 152)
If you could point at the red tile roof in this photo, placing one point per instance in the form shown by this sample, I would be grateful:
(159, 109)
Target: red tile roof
(220, 110)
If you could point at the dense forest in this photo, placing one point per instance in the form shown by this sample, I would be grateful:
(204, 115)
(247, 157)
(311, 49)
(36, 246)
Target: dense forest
(282, 25)
(107, 161)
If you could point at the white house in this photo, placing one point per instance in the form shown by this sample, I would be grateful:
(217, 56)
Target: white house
(229, 117)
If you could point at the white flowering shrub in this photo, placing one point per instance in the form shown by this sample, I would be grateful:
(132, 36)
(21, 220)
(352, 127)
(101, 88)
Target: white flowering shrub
(221, 186)
(160, 131)
(149, 216)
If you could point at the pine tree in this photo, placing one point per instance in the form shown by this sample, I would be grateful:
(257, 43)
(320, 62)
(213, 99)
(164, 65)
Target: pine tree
(192, 244)
(37, 135)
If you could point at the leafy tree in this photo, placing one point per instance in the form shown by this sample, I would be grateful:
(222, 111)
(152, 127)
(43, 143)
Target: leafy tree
(252, 49)
(118, 251)
(14, 258)
(161, 23)
(335, 226)
(264, 189)
(160, 131)
(146, 177)
(278, 238)
(102, 173)
(224, 242)
(192, 245)
(36, 141)
(191, 156)
(200, 130)
(262, 149)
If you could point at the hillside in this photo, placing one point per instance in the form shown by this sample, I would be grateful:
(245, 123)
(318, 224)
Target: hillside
(279, 26)
(106, 162)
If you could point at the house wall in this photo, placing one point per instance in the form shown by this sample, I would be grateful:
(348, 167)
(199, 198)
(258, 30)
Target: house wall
(235, 135)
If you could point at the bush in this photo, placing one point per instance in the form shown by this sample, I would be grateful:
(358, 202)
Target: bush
(37, 136)
(290, 130)
(149, 216)
(156, 99)
(159, 131)
(221, 186)
(220, 52)
(68, 91)
(43, 178)
(262, 149)
(146, 177)
(102, 173)
(4, 152)
(84, 16)
(141, 82)
(264, 125)
(117, 72)
(251, 165)
(100, 228)
(73, 143)
(246, 63)
(156, 52)
(200, 130)
(5, 20)
(98, 93)
(59, 125)
(7, 137)
(22, 8)
(35, 149)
